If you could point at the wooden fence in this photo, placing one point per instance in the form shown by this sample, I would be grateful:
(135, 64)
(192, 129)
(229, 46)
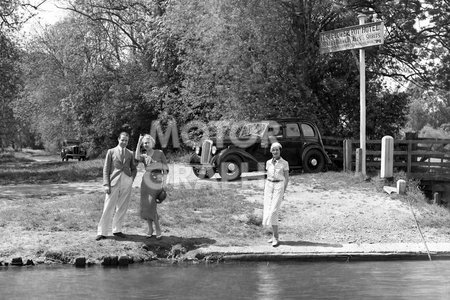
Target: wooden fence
(423, 158)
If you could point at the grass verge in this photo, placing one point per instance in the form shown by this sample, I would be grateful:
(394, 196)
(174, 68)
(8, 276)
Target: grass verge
(37, 228)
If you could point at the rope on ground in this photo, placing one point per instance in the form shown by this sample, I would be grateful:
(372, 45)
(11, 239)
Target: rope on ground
(420, 230)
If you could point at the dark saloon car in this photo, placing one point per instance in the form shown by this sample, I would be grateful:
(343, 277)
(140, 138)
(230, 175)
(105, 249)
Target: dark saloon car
(73, 149)
(248, 150)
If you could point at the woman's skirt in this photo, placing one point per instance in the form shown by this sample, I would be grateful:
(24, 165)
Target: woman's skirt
(150, 187)
(273, 195)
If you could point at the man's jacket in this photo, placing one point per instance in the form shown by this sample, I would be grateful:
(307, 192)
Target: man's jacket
(115, 164)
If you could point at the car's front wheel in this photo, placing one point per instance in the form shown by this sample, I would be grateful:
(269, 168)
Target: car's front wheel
(203, 172)
(230, 168)
(314, 161)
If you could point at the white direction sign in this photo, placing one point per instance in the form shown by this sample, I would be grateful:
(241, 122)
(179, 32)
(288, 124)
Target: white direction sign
(353, 37)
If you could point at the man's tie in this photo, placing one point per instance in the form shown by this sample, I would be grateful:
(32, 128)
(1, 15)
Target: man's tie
(122, 154)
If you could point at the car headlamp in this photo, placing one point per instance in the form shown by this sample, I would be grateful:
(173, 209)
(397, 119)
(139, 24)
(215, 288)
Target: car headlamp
(197, 150)
(213, 149)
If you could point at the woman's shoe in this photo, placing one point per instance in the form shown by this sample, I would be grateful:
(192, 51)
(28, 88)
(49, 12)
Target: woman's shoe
(270, 240)
(275, 242)
(158, 237)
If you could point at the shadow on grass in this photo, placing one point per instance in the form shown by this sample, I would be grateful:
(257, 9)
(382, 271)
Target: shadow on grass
(245, 178)
(311, 244)
(257, 176)
(37, 172)
(168, 245)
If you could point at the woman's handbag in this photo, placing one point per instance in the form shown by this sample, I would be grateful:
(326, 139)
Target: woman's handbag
(161, 196)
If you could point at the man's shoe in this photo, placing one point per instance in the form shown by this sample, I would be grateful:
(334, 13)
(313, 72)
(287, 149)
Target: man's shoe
(100, 237)
(119, 234)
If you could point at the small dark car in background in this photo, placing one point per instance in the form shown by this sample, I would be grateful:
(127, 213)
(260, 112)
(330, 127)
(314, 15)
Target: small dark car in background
(250, 149)
(72, 149)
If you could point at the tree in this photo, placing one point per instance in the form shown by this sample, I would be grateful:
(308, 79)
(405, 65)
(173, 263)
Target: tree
(260, 59)
(428, 107)
(128, 62)
(10, 83)
(14, 13)
(80, 84)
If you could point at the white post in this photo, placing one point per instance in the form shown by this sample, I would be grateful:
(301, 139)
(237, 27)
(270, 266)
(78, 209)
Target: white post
(401, 186)
(362, 97)
(387, 157)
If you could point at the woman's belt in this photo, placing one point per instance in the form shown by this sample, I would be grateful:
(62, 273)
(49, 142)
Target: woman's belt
(157, 171)
(274, 180)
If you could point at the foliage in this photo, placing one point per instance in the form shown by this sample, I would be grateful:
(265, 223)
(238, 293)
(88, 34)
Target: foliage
(76, 88)
(10, 83)
(428, 106)
(14, 13)
(429, 132)
(118, 65)
(257, 59)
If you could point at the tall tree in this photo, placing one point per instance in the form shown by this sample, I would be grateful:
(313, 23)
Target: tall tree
(10, 83)
(14, 13)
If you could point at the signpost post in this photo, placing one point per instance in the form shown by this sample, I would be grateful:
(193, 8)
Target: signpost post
(356, 37)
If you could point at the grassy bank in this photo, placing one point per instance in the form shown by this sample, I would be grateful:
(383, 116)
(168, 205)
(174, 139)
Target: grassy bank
(65, 226)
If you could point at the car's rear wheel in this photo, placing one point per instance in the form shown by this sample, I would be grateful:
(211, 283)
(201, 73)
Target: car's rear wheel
(314, 161)
(230, 168)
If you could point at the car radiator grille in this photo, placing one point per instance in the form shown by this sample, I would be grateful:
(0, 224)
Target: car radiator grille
(206, 152)
(76, 150)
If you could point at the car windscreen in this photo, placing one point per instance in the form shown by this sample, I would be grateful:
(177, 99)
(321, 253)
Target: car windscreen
(257, 129)
(72, 143)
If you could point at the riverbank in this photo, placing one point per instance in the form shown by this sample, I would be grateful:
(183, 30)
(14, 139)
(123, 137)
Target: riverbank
(324, 215)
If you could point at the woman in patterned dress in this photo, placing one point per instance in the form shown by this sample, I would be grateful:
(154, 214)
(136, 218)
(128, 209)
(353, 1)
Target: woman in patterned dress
(276, 183)
(153, 181)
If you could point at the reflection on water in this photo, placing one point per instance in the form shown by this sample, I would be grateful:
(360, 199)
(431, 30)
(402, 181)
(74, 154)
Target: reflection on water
(364, 280)
(268, 284)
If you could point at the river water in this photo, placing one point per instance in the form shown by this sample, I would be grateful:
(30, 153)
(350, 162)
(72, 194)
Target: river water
(326, 280)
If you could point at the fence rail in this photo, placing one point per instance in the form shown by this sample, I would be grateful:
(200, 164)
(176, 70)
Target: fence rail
(423, 158)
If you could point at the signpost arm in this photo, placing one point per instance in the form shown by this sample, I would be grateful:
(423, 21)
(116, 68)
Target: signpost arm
(362, 96)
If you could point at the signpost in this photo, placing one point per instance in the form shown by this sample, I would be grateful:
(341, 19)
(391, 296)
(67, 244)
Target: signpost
(356, 37)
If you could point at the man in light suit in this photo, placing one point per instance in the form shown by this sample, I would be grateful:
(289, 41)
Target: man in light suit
(119, 172)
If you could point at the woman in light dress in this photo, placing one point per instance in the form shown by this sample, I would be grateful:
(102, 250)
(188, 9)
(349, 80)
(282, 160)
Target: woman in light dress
(277, 180)
(153, 181)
